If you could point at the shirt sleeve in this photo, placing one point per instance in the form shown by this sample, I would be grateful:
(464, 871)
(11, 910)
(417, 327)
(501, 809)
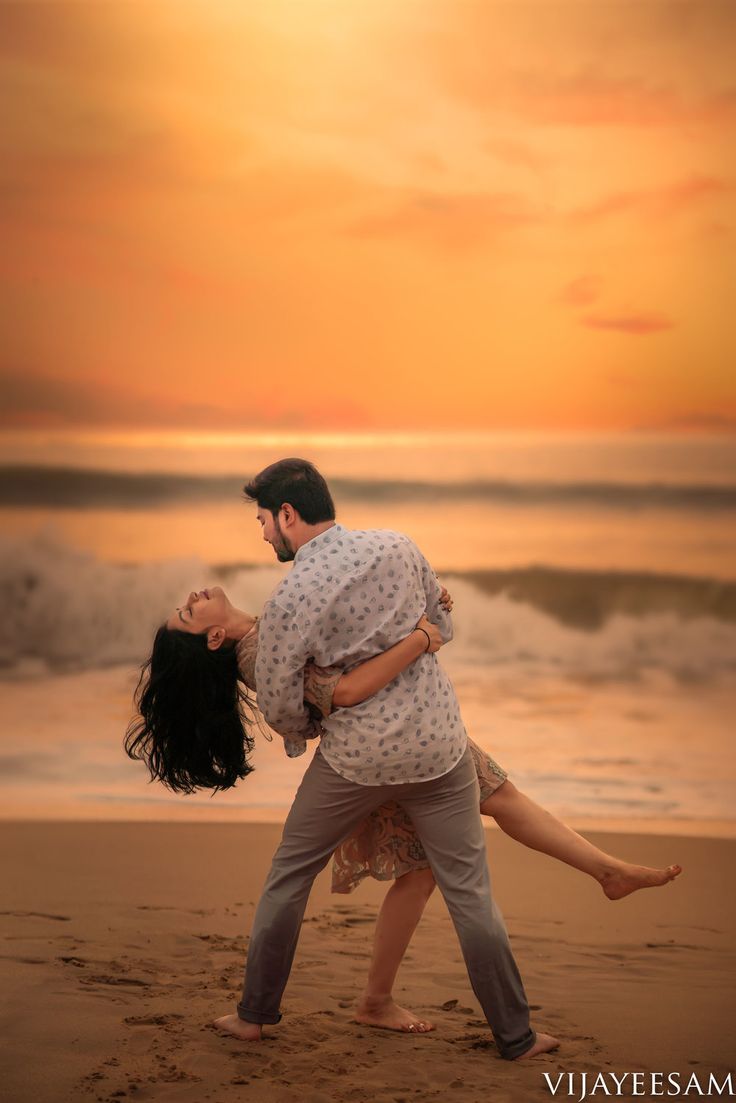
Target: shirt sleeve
(432, 590)
(282, 655)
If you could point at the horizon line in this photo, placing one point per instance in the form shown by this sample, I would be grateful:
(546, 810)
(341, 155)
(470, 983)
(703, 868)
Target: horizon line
(341, 437)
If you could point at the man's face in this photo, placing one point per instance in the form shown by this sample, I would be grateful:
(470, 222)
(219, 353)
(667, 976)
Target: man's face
(273, 535)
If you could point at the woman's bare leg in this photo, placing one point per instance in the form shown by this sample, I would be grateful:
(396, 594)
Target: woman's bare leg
(533, 826)
(397, 920)
(524, 820)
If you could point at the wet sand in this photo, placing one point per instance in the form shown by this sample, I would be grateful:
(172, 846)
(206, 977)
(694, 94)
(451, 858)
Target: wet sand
(122, 941)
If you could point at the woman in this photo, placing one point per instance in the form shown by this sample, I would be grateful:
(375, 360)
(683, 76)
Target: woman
(192, 733)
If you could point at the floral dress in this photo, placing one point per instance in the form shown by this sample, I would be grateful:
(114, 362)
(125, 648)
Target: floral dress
(385, 844)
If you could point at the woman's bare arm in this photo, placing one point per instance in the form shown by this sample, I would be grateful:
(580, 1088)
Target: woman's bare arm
(366, 679)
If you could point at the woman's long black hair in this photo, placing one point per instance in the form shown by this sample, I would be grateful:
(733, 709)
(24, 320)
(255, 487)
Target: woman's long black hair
(191, 729)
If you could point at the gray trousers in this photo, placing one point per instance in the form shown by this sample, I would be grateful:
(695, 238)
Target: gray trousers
(445, 812)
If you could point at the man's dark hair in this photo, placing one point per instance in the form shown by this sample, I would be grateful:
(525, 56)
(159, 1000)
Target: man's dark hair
(297, 482)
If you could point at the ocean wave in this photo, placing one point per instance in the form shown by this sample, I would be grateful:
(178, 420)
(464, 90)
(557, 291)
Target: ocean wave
(588, 599)
(61, 487)
(64, 609)
(499, 632)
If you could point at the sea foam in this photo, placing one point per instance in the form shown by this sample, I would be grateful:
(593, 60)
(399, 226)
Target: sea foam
(64, 609)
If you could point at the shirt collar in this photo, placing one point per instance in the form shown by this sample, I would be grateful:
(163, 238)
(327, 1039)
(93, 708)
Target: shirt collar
(319, 542)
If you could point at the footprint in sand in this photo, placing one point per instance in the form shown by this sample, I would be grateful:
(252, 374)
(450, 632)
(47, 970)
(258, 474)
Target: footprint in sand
(152, 1020)
(130, 982)
(453, 1005)
(475, 1041)
(173, 908)
(236, 945)
(172, 1074)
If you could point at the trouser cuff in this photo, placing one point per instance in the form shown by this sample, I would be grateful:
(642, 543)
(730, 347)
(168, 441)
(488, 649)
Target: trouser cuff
(518, 1049)
(249, 1016)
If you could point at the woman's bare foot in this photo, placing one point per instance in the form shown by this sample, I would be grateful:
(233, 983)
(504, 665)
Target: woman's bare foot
(626, 878)
(543, 1044)
(375, 1011)
(247, 1032)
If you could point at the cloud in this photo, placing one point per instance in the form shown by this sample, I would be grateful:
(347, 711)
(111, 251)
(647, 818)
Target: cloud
(40, 401)
(716, 231)
(655, 201)
(44, 34)
(638, 324)
(565, 64)
(450, 220)
(517, 154)
(591, 100)
(700, 420)
(582, 291)
(32, 400)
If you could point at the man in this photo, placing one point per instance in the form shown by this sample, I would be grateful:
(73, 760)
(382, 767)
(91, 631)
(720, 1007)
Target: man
(348, 596)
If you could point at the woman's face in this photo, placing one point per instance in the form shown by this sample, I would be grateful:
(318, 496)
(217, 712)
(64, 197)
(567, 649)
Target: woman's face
(203, 609)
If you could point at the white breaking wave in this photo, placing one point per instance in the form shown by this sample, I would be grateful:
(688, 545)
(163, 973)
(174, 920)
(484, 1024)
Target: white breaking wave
(500, 631)
(65, 609)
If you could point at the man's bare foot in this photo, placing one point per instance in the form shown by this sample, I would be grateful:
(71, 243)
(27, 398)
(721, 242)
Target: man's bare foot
(247, 1032)
(624, 880)
(384, 1013)
(543, 1044)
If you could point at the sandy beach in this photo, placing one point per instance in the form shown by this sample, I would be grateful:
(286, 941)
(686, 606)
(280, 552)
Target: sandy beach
(122, 941)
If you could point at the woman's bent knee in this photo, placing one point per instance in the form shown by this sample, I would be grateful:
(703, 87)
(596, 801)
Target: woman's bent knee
(499, 799)
(419, 882)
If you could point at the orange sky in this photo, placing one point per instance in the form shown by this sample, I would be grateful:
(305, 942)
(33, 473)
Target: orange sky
(395, 213)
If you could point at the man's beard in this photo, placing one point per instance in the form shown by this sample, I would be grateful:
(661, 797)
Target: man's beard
(284, 553)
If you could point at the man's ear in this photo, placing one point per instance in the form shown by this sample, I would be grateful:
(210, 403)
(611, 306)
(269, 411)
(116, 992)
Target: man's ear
(289, 515)
(215, 638)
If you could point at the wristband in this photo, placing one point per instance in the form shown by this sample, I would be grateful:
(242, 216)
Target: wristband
(426, 633)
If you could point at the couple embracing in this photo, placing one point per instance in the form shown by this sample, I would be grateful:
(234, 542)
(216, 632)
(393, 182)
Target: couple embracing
(345, 651)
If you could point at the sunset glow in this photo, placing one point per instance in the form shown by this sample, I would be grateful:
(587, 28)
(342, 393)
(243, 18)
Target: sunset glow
(329, 216)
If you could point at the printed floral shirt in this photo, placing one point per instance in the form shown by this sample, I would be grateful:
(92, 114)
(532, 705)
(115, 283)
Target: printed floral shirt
(350, 595)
